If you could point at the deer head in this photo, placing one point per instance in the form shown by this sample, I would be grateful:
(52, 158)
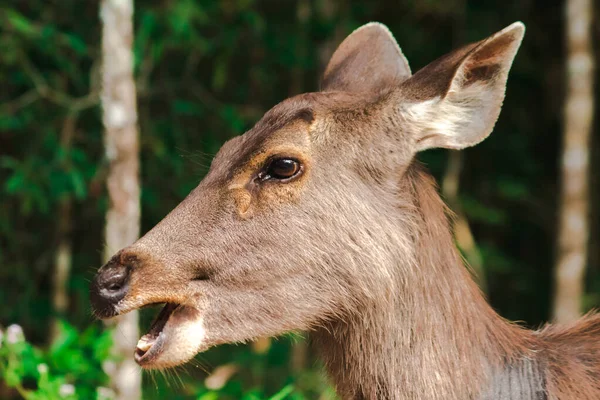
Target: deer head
(303, 219)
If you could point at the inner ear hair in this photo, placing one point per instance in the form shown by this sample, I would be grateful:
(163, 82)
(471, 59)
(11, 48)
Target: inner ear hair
(454, 102)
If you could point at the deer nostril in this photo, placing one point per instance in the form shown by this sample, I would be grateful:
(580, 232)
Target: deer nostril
(113, 284)
(110, 286)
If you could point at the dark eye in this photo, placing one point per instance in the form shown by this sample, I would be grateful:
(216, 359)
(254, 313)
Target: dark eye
(282, 169)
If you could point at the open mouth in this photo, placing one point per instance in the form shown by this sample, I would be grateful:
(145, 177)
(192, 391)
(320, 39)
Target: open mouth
(150, 345)
(176, 335)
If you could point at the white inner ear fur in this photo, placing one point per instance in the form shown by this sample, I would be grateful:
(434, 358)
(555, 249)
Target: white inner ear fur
(467, 113)
(461, 119)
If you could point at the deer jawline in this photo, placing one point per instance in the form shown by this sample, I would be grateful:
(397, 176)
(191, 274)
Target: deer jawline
(176, 335)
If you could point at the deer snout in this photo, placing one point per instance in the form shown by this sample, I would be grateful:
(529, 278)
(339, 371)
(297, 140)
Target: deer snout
(110, 285)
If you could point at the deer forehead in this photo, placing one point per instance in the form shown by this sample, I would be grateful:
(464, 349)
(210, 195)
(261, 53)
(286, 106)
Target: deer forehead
(291, 126)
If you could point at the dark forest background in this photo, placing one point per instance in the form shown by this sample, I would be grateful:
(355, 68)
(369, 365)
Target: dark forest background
(205, 72)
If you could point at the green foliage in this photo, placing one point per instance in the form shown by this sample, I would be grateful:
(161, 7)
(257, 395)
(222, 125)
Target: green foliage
(69, 369)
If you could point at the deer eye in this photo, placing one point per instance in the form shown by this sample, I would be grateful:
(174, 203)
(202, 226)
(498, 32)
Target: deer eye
(282, 169)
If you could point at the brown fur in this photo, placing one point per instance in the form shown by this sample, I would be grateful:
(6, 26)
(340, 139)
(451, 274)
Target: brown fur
(357, 248)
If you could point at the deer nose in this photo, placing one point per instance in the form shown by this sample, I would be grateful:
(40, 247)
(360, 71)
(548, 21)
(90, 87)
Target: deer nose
(110, 285)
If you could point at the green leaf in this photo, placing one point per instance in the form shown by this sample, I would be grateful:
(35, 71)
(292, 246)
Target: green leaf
(20, 23)
(8, 162)
(102, 346)
(11, 378)
(67, 335)
(15, 182)
(251, 396)
(77, 44)
(209, 396)
(78, 183)
(187, 108)
(283, 393)
(477, 211)
(220, 73)
(230, 114)
(513, 190)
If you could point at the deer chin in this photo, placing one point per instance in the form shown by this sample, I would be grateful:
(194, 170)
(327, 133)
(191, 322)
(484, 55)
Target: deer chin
(175, 337)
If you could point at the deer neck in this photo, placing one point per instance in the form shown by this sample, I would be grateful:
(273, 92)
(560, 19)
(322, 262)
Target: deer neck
(438, 338)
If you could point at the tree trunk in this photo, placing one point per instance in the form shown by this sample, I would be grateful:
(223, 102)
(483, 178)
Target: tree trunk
(63, 255)
(62, 268)
(574, 202)
(122, 151)
(462, 230)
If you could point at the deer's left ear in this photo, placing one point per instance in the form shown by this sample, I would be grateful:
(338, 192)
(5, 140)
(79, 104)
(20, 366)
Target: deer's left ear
(368, 60)
(455, 101)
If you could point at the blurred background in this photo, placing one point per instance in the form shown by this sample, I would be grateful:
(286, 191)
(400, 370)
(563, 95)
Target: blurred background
(205, 71)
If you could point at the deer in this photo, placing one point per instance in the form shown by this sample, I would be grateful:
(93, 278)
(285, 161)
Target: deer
(321, 219)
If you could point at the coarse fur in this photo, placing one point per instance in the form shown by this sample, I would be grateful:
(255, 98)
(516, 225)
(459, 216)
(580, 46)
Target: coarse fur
(356, 247)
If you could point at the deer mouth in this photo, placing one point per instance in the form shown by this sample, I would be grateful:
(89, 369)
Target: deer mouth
(151, 343)
(174, 337)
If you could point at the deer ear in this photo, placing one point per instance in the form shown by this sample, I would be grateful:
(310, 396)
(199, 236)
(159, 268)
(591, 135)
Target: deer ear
(367, 60)
(455, 101)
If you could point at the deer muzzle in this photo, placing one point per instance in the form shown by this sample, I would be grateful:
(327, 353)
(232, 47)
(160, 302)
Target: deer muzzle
(177, 333)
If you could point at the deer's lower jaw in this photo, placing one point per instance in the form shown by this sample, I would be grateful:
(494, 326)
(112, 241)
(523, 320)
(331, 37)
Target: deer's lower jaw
(176, 335)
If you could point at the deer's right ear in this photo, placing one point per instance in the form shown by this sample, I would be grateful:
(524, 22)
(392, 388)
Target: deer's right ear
(454, 102)
(369, 59)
